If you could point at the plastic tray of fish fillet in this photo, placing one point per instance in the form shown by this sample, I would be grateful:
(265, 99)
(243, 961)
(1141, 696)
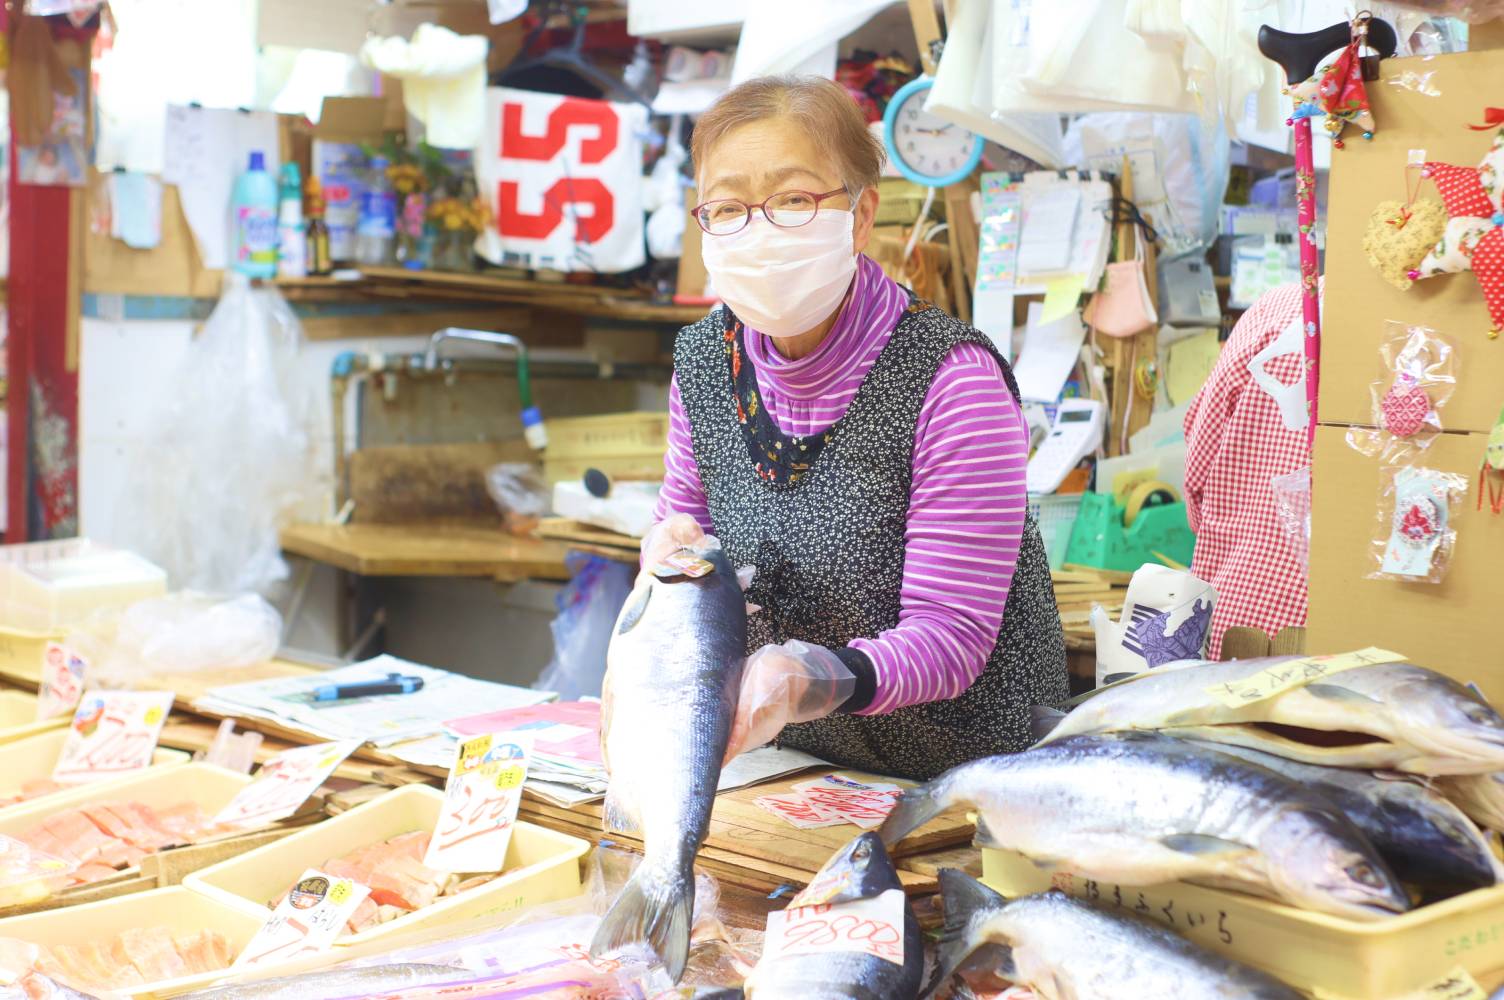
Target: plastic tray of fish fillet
(208, 786)
(33, 758)
(176, 910)
(541, 865)
(18, 717)
(1327, 957)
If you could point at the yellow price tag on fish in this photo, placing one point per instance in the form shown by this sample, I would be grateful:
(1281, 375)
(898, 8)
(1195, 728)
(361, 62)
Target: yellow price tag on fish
(1290, 674)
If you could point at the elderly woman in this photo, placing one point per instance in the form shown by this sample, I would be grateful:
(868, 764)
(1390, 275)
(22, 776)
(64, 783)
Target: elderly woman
(862, 450)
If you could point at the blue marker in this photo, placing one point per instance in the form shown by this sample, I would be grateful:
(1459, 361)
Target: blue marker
(394, 684)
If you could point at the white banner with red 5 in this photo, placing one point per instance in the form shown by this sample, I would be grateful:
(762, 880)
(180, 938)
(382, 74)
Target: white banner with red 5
(563, 178)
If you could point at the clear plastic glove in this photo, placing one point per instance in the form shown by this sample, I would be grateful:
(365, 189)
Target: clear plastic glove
(675, 532)
(794, 682)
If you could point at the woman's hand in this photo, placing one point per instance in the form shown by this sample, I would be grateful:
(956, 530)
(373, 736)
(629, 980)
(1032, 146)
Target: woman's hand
(794, 682)
(675, 532)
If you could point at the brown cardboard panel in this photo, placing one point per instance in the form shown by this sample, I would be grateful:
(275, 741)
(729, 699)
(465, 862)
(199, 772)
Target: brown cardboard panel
(1452, 626)
(172, 267)
(1358, 300)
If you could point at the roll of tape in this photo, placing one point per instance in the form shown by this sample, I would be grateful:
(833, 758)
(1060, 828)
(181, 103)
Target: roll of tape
(1150, 494)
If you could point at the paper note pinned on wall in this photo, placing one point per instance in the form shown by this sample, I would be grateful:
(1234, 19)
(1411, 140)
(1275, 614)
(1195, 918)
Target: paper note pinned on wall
(1190, 362)
(136, 209)
(206, 149)
(1061, 296)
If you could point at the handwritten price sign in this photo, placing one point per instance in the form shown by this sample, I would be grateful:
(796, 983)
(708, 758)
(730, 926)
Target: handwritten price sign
(113, 733)
(795, 811)
(480, 804)
(312, 914)
(63, 673)
(1289, 674)
(284, 783)
(836, 796)
(870, 926)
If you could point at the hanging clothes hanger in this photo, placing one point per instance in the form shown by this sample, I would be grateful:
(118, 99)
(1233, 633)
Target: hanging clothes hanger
(570, 59)
(1300, 53)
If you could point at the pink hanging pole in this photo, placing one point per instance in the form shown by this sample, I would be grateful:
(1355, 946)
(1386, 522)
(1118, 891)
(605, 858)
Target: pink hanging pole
(1305, 197)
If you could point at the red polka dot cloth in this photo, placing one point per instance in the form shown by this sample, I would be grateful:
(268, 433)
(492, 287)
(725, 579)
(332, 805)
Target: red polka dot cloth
(1474, 236)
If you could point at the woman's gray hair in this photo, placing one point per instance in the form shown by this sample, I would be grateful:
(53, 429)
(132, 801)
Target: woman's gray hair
(820, 106)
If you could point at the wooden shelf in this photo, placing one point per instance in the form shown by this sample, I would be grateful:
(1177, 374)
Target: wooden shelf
(427, 550)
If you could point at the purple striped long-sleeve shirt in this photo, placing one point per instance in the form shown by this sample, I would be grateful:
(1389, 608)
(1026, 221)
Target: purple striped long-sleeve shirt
(967, 500)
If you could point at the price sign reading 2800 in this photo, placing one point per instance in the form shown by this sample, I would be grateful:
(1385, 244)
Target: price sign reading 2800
(480, 804)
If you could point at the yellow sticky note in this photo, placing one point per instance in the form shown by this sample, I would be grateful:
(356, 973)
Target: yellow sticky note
(1291, 674)
(1061, 296)
(1190, 361)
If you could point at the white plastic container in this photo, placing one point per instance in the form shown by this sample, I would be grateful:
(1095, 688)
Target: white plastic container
(47, 586)
(34, 757)
(18, 717)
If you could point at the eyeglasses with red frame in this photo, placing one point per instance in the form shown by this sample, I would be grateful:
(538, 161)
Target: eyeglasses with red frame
(786, 209)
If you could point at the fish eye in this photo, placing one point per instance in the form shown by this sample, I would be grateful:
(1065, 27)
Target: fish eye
(1364, 874)
(861, 852)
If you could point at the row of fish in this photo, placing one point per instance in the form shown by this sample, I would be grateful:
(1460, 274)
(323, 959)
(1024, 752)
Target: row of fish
(129, 959)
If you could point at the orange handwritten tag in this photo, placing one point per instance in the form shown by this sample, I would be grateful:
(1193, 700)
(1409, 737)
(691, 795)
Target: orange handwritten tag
(113, 733)
(312, 914)
(480, 804)
(870, 926)
(284, 783)
(63, 675)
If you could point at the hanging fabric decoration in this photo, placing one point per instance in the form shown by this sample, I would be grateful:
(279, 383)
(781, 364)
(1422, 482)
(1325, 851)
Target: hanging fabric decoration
(1338, 89)
(1400, 234)
(1474, 236)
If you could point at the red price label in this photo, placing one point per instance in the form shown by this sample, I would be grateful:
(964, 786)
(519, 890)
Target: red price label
(871, 926)
(113, 732)
(481, 799)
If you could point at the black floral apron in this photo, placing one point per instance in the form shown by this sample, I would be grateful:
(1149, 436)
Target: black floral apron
(822, 519)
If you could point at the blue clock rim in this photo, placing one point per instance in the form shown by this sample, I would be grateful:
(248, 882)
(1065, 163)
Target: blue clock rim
(890, 119)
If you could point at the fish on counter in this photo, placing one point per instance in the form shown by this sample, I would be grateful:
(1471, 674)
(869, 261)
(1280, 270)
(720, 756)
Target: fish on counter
(673, 674)
(861, 870)
(332, 983)
(1428, 841)
(1392, 716)
(1481, 796)
(34, 788)
(104, 837)
(1144, 809)
(132, 958)
(1067, 949)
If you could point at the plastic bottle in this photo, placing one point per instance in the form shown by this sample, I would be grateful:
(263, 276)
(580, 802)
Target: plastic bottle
(376, 233)
(318, 257)
(292, 249)
(255, 210)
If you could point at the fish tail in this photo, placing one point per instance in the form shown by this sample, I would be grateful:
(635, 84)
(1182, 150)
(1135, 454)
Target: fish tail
(654, 910)
(965, 898)
(915, 807)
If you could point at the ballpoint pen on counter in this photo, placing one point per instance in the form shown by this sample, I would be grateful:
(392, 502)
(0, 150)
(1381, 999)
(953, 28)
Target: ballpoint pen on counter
(392, 684)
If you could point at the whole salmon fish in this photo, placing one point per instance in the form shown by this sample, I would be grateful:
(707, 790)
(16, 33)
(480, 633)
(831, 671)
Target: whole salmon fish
(1065, 949)
(673, 673)
(1142, 809)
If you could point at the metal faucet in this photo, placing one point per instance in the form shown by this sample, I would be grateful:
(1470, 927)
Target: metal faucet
(532, 420)
(431, 359)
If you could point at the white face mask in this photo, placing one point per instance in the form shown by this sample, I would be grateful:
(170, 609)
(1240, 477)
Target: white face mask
(783, 282)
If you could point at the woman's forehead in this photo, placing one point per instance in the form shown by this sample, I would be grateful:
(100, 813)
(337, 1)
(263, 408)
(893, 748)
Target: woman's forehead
(765, 156)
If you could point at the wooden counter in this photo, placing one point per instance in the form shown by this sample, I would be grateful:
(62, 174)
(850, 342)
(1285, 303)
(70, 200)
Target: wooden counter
(427, 550)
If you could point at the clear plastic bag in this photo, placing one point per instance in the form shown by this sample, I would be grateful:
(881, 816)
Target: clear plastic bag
(1414, 537)
(588, 607)
(184, 632)
(227, 457)
(1473, 11)
(1292, 505)
(1416, 377)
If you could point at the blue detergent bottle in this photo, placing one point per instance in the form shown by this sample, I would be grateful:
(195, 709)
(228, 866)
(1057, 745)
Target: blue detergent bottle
(254, 207)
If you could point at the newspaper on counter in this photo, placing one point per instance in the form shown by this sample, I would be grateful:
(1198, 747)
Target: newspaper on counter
(567, 767)
(381, 719)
